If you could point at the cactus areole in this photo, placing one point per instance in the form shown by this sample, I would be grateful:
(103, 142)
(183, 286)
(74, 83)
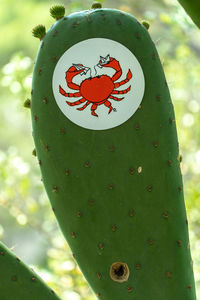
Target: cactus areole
(105, 136)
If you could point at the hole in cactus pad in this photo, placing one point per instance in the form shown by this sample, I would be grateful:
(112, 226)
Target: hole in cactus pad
(119, 272)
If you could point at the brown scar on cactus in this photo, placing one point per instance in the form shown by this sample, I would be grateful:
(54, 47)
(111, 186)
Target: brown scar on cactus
(39, 31)
(119, 272)
(57, 11)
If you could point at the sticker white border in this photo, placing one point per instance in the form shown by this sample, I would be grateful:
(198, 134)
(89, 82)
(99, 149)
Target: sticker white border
(88, 53)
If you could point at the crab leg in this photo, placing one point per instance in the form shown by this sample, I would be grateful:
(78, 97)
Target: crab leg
(94, 106)
(68, 94)
(118, 69)
(84, 106)
(115, 98)
(122, 92)
(108, 104)
(128, 77)
(76, 102)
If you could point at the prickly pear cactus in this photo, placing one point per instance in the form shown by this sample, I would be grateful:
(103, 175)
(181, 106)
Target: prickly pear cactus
(19, 282)
(192, 8)
(106, 141)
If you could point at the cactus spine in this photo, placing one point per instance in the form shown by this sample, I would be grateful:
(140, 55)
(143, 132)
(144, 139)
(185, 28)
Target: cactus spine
(19, 282)
(117, 193)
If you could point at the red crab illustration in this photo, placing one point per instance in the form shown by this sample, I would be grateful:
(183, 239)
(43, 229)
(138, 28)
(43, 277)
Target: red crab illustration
(96, 90)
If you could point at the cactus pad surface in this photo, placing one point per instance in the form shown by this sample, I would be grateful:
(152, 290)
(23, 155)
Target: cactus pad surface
(117, 192)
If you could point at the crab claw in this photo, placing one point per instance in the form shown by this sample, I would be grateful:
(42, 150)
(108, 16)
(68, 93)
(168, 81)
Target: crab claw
(103, 61)
(85, 71)
(81, 67)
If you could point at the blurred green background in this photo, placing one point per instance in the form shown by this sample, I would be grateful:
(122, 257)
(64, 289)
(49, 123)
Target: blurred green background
(27, 223)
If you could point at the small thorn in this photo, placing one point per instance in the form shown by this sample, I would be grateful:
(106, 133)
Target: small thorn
(110, 186)
(101, 246)
(137, 126)
(34, 152)
(99, 275)
(129, 289)
(180, 158)
(150, 242)
(39, 31)
(169, 274)
(73, 235)
(169, 162)
(155, 143)
(62, 130)
(165, 215)
(87, 164)
(138, 266)
(55, 189)
(79, 214)
(75, 24)
(14, 278)
(96, 5)
(114, 228)
(137, 35)
(27, 103)
(67, 172)
(149, 188)
(131, 170)
(158, 97)
(45, 100)
(131, 213)
(146, 24)
(179, 242)
(33, 279)
(57, 11)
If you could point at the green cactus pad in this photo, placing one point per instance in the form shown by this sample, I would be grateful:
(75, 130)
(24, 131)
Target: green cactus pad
(39, 31)
(192, 8)
(57, 11)
(117, 193)
(19, 282)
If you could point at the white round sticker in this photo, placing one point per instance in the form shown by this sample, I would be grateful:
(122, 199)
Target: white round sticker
(98, 83)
